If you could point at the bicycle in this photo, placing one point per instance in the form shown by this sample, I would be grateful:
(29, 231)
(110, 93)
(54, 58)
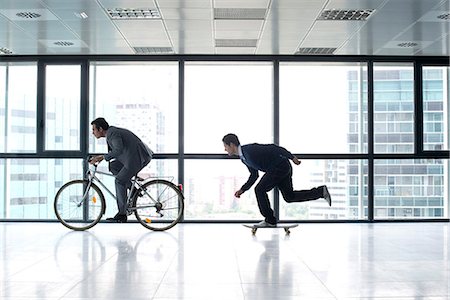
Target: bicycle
(158, 204)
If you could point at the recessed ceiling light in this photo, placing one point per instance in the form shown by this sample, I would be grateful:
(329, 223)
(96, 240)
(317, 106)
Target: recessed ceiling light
(346, 14)
(28, 15)
(133, 13)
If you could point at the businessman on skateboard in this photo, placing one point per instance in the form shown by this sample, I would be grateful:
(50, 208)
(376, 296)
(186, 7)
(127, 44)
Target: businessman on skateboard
(273, 160)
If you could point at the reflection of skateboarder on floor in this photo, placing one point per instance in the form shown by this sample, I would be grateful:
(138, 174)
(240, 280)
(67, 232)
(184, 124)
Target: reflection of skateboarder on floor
(273, 160)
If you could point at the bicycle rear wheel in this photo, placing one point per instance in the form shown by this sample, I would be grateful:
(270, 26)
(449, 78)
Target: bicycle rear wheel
(158, 205)
(76, 212)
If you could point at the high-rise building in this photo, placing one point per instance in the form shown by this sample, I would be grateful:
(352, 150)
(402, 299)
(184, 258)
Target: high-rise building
(411, 188)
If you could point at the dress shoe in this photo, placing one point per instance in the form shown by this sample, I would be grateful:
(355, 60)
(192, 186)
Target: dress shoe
(117, 219)
(326, 194)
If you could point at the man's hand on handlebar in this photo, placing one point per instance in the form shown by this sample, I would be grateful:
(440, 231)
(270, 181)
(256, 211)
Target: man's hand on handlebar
(96, 159)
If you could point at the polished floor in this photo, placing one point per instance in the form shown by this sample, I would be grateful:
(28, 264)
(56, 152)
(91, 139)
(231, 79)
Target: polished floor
(224, 261)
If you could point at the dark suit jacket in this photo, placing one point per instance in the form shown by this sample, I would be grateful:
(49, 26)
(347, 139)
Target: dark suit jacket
(259, 157)
(127, 148)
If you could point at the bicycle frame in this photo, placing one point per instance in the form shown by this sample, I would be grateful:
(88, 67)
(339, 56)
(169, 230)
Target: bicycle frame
(135, 185)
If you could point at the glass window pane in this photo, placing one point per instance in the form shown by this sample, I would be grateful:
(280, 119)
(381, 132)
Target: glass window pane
(18, 94)
(436, 82)
(139, 96)
(2, 108)
(411, 188)
(62, 107)
(209, 195)
(28, 186)
(223, 98)
(323, 107)
(393, 108)
(345, 180)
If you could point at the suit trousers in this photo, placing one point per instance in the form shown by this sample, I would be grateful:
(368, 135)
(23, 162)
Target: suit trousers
(281, 177)
(122, 182)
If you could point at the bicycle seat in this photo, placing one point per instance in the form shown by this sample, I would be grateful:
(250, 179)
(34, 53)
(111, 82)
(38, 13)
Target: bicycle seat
(139, 178)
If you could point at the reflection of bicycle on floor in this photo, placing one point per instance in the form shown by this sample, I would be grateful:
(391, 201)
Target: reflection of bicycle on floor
(79, 251)
(158, 204)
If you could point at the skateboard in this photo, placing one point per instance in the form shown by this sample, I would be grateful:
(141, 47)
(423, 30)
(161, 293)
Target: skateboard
(286, 227)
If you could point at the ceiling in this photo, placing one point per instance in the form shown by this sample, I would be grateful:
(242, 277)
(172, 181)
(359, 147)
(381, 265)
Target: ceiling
(261, 27)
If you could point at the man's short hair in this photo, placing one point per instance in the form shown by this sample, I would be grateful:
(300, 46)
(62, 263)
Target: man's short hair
(231, 138)
(100, 123)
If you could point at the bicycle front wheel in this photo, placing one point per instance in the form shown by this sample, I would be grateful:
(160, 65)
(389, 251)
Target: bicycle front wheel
(78, 208)
(159, 205)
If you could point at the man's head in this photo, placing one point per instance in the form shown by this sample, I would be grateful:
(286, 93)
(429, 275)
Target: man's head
(231, 144)
(99, 127)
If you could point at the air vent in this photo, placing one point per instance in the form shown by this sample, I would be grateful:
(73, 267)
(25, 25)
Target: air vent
(28, 15)
(346, 14)
(63, 43)
(315, 51)
(408, 44)
(133, 13)
(444, 17)
(239, 13)
(236, 42)
(4, 50)
(25, 14)
(153, 50)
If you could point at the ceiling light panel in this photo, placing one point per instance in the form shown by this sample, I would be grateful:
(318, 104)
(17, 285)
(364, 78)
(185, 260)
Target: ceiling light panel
(240, 13)
(315, 51)
(345, 14)
(153, 50)
(133, 13)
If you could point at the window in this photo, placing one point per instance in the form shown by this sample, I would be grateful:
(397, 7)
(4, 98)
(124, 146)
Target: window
(209, 189)
(323, 107)
(416, 188)
(18, 90)
(344, 179)
(436, 115)
(139, 96)
(62, 107)
(29, 186)
(222, 98)
(393, 108)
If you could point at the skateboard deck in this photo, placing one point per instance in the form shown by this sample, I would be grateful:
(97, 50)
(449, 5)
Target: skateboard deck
(286, 227)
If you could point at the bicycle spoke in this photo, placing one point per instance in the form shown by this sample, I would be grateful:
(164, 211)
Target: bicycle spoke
(161, 205)
(79, 214)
